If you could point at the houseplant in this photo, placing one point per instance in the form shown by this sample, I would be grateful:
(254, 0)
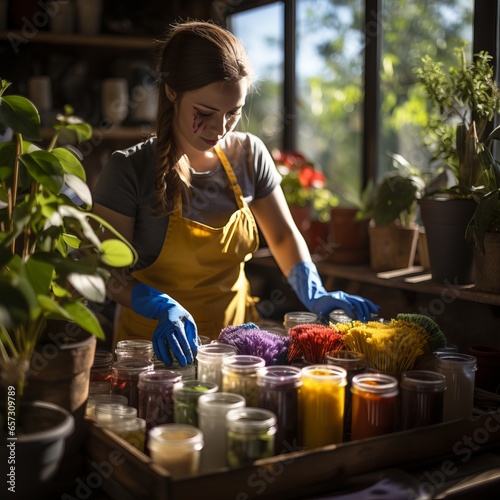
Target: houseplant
(307, 195)
(463, 103)
(52, 261)
(348, 239)
(393, 231)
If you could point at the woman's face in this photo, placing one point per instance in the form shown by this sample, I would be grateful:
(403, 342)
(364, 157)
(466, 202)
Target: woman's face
(204, 116)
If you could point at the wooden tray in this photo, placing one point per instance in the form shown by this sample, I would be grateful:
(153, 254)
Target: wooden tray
(128, 474)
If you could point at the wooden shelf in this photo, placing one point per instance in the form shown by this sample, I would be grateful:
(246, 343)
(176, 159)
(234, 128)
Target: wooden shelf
(111, 134)
(77, 40)
(364, 274)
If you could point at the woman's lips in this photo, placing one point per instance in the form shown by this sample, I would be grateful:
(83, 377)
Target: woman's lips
(209, 142)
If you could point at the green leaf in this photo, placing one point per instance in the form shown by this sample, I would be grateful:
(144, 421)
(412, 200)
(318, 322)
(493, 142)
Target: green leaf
(91, 286)
(79, 187)
(71, 240)
(39, 274)
(70, 163)
(495, 135)
(53, 309)
(14, 308)
(7, 158)
(116, 253)
(45, 169)
(20, 114)
(83, 131)
(84, 318)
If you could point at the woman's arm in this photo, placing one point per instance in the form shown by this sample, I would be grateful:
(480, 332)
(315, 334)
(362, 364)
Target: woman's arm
(285, 241)
(121, 283)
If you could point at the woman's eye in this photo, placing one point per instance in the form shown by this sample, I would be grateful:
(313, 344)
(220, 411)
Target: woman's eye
(204, 115)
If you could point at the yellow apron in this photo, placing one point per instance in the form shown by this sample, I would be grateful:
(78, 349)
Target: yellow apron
(202, 268)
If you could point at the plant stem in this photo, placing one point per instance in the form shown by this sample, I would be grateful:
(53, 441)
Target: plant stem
(12, 194)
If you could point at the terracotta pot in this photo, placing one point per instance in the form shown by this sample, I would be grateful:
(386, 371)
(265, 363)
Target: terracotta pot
(450, 253)
(488, 265)
(315, 233)
(42, 430)
(488, 367)
(348, 238)
(392, 247)
(60, 374)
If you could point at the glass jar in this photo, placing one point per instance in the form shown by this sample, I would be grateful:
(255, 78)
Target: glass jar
(187, 372)
(339, 316)
(186, 395)
(353, 363)
(134, 349)
(210, 358)
(100, 372)
(176, 447)
(250, 435)
(374, 398)
(212, 410)
(279, 392)
(239, 375)
(459, 370)
(295, 318)
(322, 405)
(95, 399)
(123, 421)
(155, 392)
(125, 376)
(422, 398)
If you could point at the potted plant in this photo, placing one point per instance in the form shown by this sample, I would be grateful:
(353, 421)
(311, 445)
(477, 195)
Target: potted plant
(485, 230)
(52, 261)
(463, 103)
(348, 233)
(307, 195)
(392, 210)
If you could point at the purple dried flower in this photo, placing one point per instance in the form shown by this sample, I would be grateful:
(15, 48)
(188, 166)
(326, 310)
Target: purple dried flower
(249, 339)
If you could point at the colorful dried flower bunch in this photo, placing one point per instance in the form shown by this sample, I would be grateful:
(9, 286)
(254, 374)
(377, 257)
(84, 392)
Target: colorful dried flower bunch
(312, 342)
(249, 339)
(395, 346)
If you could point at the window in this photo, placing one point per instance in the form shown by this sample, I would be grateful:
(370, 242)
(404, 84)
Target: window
(354, 99)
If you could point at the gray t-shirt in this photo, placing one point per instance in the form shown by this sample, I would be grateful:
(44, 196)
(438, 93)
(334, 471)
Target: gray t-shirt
(126, 186)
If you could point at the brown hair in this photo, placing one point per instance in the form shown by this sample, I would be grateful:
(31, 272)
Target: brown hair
(192, 55)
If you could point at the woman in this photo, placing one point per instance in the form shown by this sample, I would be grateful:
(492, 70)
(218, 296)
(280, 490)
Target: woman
(190, 199)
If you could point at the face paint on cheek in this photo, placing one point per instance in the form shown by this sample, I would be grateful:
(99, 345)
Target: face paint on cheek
(199, 124)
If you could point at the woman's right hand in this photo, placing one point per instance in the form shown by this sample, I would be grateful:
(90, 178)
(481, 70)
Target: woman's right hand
(176, 330)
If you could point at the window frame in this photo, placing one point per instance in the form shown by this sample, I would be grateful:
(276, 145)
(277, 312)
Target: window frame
(486, 28)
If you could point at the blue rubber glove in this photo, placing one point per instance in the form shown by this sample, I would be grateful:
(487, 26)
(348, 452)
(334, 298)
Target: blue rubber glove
(176, 328)
(306, 283)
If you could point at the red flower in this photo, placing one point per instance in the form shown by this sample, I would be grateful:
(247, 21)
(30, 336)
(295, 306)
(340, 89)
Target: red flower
(311, 178)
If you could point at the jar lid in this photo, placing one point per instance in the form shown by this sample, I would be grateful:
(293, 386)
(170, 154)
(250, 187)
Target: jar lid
(243, 363)
(216, 351)
(158, 380)
(455, 361)
(219, 402)
(349, 360)
(423, 381)
(191, 390)
(279, 376)
(339, 316)
(130, 368)
(327, 373)
(300, 317)
(176, 434)
(375, 383)
(109, 413)
(102, 359)
(249, 420)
